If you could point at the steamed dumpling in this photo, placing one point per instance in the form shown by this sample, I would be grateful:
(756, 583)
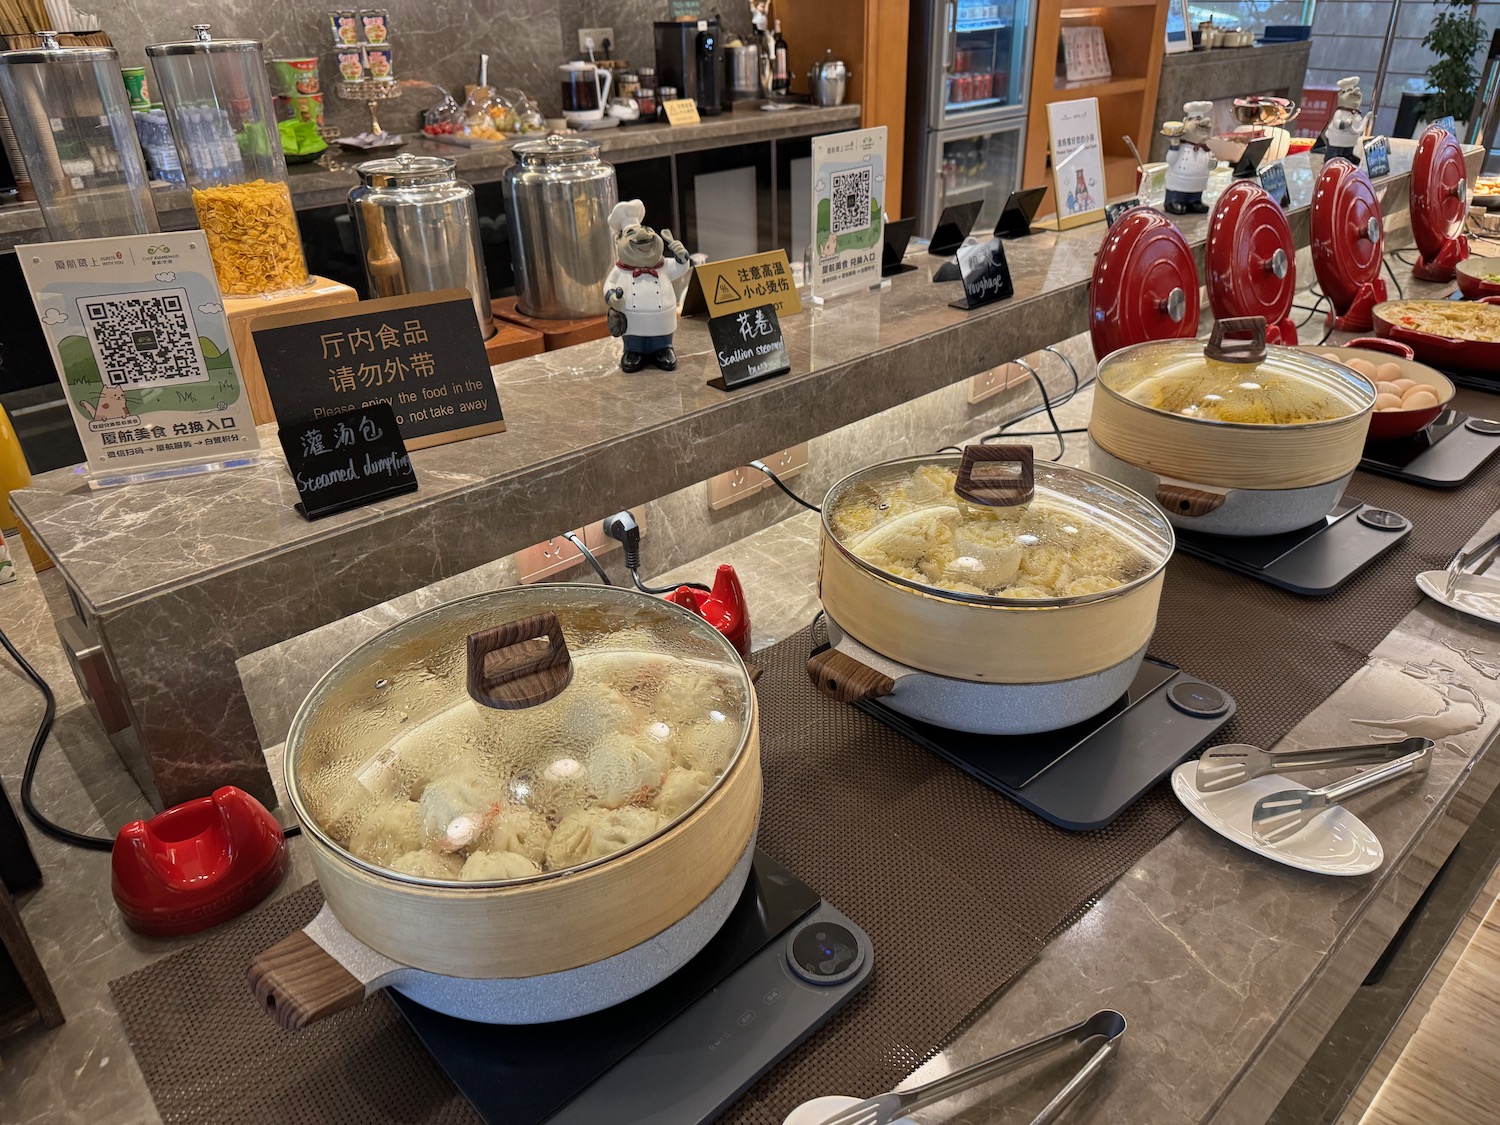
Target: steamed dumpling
(428, 865)
(623, 769)
(521, 831)
(595, 833)
(387, 831)
(707, 745)
(456, 810)
(681, 791)
(487, 866)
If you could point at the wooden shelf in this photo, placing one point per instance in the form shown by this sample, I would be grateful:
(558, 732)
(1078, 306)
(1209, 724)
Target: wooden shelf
(1079, 9)
(1104, 89)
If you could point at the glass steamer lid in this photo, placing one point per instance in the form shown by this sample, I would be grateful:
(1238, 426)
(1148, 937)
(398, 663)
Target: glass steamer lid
(223, 120)
(518, 734)
(1231, 382)
(993, 527)
(72, 121)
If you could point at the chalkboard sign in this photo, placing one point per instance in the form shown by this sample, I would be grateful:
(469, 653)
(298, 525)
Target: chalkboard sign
(748, 346)
(421, 353)
(1273, 179)
(352, 459)
(986, 275)
(1377, 157)
(1448, 125)
(1113, 211)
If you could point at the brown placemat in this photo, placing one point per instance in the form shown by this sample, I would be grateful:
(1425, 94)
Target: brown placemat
(958, 887)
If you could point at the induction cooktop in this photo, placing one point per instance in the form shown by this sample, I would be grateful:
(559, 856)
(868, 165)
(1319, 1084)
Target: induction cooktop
(683, 1051)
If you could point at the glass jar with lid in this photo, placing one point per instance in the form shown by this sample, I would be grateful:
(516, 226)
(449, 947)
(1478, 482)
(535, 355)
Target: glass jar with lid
(72, 121)
(223, 121)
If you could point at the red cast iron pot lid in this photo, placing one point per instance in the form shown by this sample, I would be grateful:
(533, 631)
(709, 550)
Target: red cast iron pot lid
(1439, 191)
(1347, 233)
(1250, 259)
(1145, 284)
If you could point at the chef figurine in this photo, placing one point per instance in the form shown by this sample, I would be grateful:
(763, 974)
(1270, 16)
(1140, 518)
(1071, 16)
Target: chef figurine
(1189, 160)
(1347, 124)
(638, 291)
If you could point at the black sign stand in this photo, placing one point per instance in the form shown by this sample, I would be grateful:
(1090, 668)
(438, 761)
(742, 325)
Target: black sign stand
(1248, 164)
(347, 461)
(1377, 157)
(1273, 180)
(893, 247)
(954, 225)
(748, 346)
(985, 273)
(1020, 208)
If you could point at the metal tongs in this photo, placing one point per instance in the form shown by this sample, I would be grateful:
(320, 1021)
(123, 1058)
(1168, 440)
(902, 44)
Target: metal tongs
(1224, 767)
(1280, 816)
(1469, 562)
(1106, 1024)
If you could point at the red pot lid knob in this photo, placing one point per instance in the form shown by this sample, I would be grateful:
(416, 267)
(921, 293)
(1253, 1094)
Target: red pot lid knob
(1347, 235)
(1439, 191)
(1249, 257)
(1145, 284)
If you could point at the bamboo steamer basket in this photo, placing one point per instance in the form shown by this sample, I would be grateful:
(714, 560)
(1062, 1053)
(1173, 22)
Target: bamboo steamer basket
(998, 639)
(513, 652)
(1233, 455)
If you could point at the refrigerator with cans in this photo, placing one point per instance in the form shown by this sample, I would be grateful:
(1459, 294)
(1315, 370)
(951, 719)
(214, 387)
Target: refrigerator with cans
(968, 73)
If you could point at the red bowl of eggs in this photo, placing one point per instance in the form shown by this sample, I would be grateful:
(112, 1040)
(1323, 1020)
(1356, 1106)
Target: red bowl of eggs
(1408, 394)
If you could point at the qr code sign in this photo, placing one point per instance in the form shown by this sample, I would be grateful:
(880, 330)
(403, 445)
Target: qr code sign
(144, 339)
(851, 201)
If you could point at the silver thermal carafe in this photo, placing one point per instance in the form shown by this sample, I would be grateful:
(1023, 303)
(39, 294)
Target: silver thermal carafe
(688, 58)
(558, 196)
(742, 71)
(419, 230)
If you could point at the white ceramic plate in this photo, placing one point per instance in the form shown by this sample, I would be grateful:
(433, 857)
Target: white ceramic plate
(1477, 595)
(1336, 843)
(820, 1110)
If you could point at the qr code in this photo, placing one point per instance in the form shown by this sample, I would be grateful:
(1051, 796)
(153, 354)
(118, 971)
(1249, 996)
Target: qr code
(141, 339)
(851, 201)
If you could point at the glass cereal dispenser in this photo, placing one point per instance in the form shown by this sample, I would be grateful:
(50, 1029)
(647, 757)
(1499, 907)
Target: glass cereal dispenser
(73, 125)
(218, 103)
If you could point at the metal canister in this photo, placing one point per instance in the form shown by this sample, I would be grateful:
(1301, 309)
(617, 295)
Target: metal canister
(419, 230)
(558, 198)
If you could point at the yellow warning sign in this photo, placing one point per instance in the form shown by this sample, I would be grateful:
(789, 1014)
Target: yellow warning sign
(744, 283)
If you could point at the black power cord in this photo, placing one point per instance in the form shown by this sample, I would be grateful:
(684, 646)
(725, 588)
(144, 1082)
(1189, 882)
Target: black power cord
(761, 466)
(33, 759)
(1056, 432)
(622, 527)
(589, 555)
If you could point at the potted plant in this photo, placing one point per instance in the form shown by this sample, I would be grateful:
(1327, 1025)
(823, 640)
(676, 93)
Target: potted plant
(1455, 37)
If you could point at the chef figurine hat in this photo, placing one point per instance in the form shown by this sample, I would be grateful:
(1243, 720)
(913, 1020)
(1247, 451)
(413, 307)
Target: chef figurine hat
(1351, 83)
(1198, 109)
(627, 213)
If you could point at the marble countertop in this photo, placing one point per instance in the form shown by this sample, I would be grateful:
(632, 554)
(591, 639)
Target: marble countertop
(1229, 968)
(328, 181)
(583, 439)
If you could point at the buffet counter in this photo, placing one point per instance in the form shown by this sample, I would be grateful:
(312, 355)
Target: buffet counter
(325, 184)
(1229, 969)
(181, 580)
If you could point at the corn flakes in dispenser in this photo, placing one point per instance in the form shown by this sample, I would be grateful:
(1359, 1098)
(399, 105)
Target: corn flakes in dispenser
(252, 237)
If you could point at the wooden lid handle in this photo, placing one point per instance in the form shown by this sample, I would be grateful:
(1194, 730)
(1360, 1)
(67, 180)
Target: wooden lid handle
(519, 664)
(846, 680)
(984, 479)
(298, 982)
(1225, 350)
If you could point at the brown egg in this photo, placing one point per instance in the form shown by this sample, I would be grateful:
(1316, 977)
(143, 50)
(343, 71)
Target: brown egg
(1405, 384)
(1419, 400)
(1363, 366)
(1387, 402)
(1330, 355)
(1388, 372)
(1387, 388)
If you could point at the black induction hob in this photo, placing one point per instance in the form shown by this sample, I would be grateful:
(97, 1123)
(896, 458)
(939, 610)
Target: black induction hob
(1443, 455)
(679, 1053)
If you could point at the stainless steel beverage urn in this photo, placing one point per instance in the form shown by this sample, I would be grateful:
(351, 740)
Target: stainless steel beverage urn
(419, 230)
(558, 196)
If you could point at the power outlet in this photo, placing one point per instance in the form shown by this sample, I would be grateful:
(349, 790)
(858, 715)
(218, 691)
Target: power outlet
(989, 383)
(599, 35)
(733, 486)
(559, 554)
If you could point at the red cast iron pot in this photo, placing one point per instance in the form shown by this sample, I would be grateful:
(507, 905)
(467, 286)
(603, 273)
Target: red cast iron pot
(1482, 357)
(1250, 260)
(1439, 204)
(1145, 284)
(1347, 243)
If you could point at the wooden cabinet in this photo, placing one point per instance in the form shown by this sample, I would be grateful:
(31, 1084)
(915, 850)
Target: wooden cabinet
(1135, 34)
(871, 37)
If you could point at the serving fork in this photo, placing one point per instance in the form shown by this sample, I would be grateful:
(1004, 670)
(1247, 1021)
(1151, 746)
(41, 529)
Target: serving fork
(1105, 1024)
(1470, 562)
